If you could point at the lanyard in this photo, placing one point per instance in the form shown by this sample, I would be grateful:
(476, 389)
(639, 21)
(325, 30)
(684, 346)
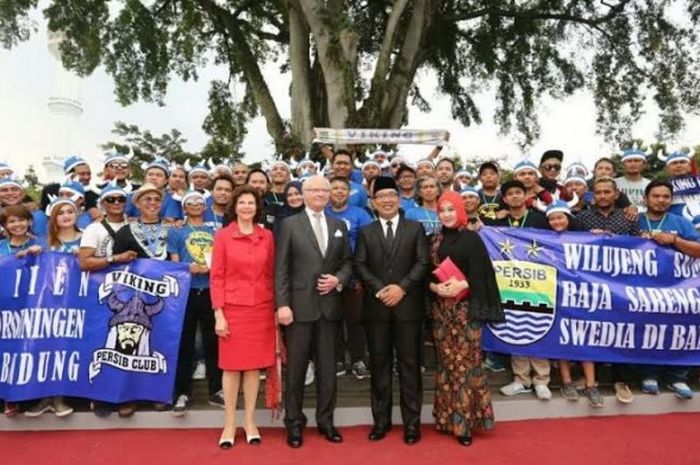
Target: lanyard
(19, 248)
(658, 228)
(487, 200)
(518, 223)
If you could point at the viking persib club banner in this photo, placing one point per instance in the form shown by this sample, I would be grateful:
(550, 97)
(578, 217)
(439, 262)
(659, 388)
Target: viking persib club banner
(111, 335)
(582, 296)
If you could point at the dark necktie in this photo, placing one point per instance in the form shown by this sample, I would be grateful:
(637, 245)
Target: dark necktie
(389, 234)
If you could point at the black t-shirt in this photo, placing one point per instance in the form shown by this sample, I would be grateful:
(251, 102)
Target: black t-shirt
(531, 219)
(147, 240)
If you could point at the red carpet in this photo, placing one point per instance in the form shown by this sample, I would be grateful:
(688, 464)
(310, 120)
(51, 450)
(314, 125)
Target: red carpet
(664, 439)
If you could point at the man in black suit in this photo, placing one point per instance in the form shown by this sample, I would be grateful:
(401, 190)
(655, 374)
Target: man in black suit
(312, 265)
(392, 259)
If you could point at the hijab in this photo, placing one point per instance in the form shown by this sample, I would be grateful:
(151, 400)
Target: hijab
(455, 200)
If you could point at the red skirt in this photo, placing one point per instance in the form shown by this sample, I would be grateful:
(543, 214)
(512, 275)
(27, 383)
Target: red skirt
(250, 344)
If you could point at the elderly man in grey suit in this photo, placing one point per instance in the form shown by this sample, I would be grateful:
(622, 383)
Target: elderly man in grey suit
(312, 264)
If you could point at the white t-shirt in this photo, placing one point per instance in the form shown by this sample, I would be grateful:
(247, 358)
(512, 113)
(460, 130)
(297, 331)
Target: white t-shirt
(633, 189)
(97, 237)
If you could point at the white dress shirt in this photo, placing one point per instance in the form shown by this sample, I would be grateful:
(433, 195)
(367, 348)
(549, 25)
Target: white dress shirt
(324, 226)
(394, 224)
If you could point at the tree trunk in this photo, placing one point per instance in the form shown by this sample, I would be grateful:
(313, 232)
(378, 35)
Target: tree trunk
(404, 69)
(235, 41)
(302, 111)
(333, 58)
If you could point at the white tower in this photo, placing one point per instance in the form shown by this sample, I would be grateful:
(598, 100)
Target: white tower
(65, 108)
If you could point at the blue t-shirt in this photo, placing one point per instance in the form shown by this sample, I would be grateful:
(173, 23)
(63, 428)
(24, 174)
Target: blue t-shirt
(670, 223)
(173, 210)
(427, 218)
(8, 249)
(354, 218)
(39, 223)
(83, 221)
(356, 176)
(358, 195)
(192, 244)
(211, 219)
(65, 247)
(408, 203)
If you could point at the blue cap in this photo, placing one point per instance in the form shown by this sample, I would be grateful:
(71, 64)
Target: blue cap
(158, 162)
(633, 154)
(11, 181)
(74, 187)
(57, 201)
(115, 155)
(191, 194)
(71, 162)
(110, 189)
(678, 155)
(469, 191)
(5, 166)
(525, 165)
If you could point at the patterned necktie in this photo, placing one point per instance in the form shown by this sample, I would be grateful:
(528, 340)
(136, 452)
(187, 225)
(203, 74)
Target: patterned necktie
(318, 232)
(389, 234)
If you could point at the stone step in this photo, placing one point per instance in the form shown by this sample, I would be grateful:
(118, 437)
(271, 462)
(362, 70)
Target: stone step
(523, 407)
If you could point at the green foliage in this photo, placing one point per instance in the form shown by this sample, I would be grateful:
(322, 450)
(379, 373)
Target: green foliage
(621, 50)
(226, 122)
(148, 146)
(31, 180)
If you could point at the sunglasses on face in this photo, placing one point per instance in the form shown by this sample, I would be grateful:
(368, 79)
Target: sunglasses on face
(551, 166)
(119, 166)
(118, 199)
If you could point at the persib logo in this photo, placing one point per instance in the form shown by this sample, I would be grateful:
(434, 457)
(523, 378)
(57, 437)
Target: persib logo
(529, 296)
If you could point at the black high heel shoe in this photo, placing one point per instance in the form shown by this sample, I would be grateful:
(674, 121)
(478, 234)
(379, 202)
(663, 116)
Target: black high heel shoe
(227, 442)
(253, 439)
(465, 440)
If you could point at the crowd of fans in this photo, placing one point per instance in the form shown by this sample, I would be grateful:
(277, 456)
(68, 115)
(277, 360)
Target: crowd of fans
(239, 231)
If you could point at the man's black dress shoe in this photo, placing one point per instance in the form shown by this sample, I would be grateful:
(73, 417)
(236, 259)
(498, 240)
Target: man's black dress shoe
(377, 434)
(465, 440)
(331, 434)
(294, 437)
(411, 437)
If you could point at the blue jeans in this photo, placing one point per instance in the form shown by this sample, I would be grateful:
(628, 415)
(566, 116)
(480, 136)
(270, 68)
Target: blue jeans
(668, 373)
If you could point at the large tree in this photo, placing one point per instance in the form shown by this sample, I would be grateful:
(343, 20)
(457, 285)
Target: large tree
(353, 63)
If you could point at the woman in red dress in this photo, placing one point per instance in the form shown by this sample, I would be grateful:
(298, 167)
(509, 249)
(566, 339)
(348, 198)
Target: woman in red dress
(242, 294)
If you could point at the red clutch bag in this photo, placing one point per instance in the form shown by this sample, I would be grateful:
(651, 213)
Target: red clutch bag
(446, 270)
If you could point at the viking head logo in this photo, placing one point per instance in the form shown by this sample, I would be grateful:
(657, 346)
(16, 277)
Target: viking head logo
(130, 327)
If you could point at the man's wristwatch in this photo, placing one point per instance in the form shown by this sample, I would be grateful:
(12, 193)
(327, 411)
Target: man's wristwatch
(110, 259)
(339, 287)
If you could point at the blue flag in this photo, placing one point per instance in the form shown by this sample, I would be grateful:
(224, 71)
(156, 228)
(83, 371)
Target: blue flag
(111, 335)
(581, 296)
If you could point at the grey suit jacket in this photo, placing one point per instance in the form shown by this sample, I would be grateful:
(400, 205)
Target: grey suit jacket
(299, 264)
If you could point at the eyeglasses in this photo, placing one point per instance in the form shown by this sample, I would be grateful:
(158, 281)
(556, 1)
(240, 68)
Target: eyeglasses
(551, 167)
(386, 195)
(115, 199)
(194, 204)
(119, 166)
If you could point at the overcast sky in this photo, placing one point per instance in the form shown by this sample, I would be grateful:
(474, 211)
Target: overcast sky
(28, 131)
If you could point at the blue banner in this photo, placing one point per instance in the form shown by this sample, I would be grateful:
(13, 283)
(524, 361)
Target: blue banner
(686, 198)
(581, 296)
(111, 335)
